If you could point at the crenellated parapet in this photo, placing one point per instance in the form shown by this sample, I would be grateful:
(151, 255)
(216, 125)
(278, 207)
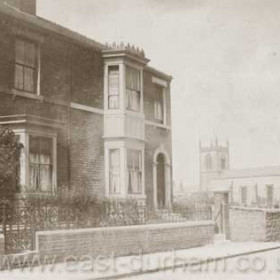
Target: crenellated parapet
(125, 47)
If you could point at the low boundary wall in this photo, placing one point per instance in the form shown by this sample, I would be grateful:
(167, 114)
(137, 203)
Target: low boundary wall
(126, 240)
(254, 224)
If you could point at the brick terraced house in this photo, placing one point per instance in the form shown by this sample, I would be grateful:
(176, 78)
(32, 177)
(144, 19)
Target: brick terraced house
(87, 114)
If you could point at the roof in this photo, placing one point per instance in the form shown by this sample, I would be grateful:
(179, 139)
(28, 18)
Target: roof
(250, 172)
(157, 72)
(48, 26)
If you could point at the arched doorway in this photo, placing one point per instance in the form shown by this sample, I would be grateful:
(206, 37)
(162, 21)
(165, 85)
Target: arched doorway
(162, 179)
(161, 192)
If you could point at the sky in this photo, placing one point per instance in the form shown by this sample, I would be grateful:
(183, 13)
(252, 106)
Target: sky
(224, 56)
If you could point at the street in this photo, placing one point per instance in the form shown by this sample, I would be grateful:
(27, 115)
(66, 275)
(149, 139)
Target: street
(250, 267)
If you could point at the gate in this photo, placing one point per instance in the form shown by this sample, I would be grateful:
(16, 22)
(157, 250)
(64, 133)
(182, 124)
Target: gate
(221, 212)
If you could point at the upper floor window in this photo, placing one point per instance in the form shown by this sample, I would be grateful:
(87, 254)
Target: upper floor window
(134, 169)
(25, 66)
(114, 171)
(158, 104)
(133, 89)
(41, 164)
(113, 85)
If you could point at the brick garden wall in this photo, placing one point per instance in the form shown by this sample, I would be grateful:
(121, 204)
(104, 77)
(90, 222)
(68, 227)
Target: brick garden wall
(123, 241)
(253, 224)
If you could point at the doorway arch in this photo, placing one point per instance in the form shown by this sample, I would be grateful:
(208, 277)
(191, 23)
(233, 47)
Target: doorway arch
(162, 179)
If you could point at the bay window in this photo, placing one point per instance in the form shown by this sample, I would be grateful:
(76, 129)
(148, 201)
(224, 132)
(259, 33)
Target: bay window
(25, 66)
(41, 167)
(133, 89)
(114, 171)
(113, 87)
(134, 169)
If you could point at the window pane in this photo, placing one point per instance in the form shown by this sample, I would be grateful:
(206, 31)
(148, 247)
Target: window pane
(159, 104)
(29, 79)
(132, 79)
(132, 89)
(134, 167)
(113, 82)
(19, 77)
(114, 176)
(113, 102)
(30, 54)
(20, 47)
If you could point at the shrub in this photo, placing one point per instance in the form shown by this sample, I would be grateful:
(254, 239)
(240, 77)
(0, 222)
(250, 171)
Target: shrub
(10, 150)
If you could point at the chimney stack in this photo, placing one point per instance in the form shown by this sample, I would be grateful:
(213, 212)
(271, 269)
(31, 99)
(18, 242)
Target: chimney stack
(27, 6)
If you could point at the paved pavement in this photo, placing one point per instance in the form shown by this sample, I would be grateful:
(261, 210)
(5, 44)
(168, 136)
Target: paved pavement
(261, 266)
(197, 263)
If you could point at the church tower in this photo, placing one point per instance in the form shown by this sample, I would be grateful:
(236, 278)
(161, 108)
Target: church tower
(214, 159)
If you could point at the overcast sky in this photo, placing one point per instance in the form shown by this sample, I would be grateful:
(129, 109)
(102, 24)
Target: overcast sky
(224, 57)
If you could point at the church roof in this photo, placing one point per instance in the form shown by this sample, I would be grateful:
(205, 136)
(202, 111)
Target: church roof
(250, 172)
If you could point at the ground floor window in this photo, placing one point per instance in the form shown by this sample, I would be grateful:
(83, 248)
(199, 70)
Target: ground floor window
(41, 163)
(134, 170)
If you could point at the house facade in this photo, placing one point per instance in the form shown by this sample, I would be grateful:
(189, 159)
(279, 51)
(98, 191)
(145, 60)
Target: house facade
(89, 115)
(249, 187)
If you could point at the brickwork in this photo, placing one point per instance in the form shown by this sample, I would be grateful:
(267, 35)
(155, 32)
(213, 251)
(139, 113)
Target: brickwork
(254, 224)
(125, 240)
(273, 225)
(87, 151)
(2, 245)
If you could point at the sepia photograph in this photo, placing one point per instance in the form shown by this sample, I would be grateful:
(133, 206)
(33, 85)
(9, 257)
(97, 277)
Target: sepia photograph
(139, 139)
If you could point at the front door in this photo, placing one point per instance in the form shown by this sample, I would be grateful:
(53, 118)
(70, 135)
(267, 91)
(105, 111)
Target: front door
(161, 194)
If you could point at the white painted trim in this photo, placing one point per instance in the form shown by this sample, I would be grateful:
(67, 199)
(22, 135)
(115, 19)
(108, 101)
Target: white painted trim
(27, 94)
(159, 82)
(38, 88)
(151, 123)
(86, 108)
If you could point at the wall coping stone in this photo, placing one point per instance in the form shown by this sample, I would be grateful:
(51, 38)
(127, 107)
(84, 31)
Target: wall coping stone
(265, 210)
(125, 228)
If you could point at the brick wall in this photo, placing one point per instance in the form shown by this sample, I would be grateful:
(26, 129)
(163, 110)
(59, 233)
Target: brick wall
(123, 241)
(87, 151)
(253, 224)
(273, 225)
(2, 245)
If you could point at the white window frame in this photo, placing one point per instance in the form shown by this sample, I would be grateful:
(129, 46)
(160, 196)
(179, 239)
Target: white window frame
(124, 146)
(24, 136)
